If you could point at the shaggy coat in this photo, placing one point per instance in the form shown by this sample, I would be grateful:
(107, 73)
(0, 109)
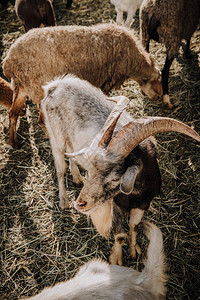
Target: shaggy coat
(168, 22)
(105, 55)
(35, 13)
(97, 280)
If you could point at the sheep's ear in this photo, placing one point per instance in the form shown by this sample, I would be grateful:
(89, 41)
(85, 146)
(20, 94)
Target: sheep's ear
(128, 179)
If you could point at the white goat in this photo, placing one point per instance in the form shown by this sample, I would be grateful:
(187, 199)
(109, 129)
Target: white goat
(129, 6)
(98, 280)
(123, 173)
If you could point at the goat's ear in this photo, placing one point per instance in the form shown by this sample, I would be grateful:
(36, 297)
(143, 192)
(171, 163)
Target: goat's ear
(128, 179)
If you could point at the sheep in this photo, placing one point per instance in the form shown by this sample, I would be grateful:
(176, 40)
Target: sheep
(6, 93)
(129, 6)
(105, 55)
(123, 174)
(35, 13)
(168, 22)
(99, 280)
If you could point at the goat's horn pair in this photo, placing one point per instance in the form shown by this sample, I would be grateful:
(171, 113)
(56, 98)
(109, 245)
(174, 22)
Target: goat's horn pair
(136, 131)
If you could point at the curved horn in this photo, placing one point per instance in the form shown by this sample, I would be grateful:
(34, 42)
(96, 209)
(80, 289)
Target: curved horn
(104, 137)
(136, 131)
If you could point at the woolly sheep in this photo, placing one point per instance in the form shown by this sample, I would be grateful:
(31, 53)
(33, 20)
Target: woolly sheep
(105, 55)
(129, 6)
(123, 174)
(35, 13)
(168, 22)
(97, 280)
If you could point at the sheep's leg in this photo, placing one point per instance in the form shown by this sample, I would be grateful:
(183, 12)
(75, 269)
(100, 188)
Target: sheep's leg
(129, 19)
(60, 164)
(19, 98)
(77, 178)
(165, 77)
(119, 19)
(119, 234)
(136, 215)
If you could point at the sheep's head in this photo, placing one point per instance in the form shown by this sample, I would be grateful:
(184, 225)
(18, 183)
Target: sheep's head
(151, 84)
(107, 174)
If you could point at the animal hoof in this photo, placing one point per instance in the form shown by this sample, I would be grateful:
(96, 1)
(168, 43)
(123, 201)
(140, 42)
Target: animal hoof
(64, 202)
(135, 250)
(114, 260)
(166, 100)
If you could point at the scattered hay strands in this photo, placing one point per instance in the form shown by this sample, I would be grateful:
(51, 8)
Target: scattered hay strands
(40, 244)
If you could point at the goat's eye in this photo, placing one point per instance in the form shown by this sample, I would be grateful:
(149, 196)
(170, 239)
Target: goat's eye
(115, 179)
(145, 81)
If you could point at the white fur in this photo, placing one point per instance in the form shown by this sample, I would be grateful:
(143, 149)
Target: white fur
(98, 280)
(129, 6)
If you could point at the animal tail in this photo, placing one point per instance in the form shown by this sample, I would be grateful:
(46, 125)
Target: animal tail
(154, 272)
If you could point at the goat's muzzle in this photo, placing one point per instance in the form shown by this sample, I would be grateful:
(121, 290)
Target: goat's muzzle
(81, 205)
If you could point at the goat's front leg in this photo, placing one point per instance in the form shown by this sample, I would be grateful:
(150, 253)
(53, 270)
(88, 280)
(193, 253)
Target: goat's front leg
(77, 178)
(136, 215)
(119, 18)
(119, 234)
(129, 19)
(60, 164)
(18, 101)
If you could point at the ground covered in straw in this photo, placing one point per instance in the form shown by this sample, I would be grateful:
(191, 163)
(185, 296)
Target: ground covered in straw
(40, 244)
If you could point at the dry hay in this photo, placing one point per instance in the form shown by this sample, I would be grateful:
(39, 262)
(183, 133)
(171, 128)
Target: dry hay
(40, 244)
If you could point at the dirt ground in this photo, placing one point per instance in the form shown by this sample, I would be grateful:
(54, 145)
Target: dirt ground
(40, 244)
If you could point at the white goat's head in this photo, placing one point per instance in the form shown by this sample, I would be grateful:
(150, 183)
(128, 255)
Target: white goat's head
(107, 173)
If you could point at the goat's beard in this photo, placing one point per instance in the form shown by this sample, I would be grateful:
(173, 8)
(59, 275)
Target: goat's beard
(101, 216)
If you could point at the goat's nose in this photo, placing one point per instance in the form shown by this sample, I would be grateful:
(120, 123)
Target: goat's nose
(82, 202)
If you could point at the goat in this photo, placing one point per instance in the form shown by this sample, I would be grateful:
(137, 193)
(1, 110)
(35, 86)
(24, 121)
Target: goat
(123, 173)
(168, 22)
(129, 6)
(105, 55)
(34, 13)
(99, 280)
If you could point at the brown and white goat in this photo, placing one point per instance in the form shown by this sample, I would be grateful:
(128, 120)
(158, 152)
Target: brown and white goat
(34, 13)
(123, 173)
(99, 280)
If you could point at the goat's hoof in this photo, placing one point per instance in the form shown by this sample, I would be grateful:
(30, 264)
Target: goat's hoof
(64, 202)
(135, 250)
(166, 100)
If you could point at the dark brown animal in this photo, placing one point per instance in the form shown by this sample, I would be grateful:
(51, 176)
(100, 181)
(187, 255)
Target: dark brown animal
(35, 13)
(168, 22)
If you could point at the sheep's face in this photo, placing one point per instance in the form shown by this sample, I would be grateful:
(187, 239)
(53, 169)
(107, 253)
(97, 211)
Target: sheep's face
(153, 89)
(101, 185)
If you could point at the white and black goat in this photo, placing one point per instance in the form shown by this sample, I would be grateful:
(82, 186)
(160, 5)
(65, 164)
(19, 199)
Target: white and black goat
(98, 280)
(123, 173)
